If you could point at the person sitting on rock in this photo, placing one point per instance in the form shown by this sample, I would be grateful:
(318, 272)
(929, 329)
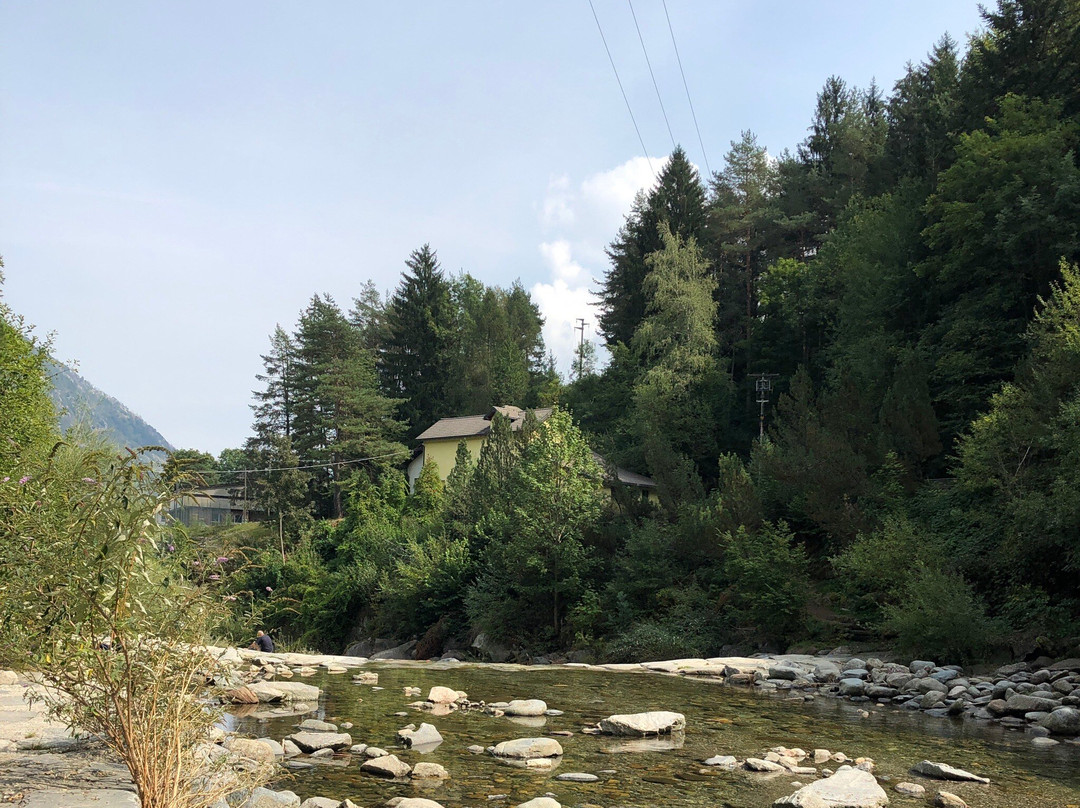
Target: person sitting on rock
(263, 643)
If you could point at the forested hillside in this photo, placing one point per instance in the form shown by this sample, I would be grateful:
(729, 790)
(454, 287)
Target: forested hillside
(905, 275)
(81, 404)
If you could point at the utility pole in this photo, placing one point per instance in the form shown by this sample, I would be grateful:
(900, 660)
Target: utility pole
(244, 518)
(763, 385)
(580, 327)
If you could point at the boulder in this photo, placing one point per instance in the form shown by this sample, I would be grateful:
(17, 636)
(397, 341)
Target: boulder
(403, 651)
(1021, 704)
(577, 777)
(847, 788)
(1062, 721)
(429, 771)
(242, 695)
(265, 798)
(654, 723)
(852, 687)
(320, 802)
(801, 800)
(526, 748)
(941, 771)
(443, 695)
(309, 742)
(759, 765)
(725, 762)
(527, 707)
(386, 766)
(269, 692)
(946, 800)
(540, 802)
(426, 735)
(909, 789)
(251, 750)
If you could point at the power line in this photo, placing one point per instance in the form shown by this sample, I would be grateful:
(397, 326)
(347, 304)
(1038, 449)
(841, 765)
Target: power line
(656, 87)
(621, 90)
(300, 468)
(687, 88)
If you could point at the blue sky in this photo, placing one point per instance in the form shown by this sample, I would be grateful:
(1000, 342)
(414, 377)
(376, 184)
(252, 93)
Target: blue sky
(176, 178)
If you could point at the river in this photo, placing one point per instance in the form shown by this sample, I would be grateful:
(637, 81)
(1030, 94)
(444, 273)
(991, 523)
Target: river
(720, 721)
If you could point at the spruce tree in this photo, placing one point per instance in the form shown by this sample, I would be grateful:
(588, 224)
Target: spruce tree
(418, 362)
(678, 201)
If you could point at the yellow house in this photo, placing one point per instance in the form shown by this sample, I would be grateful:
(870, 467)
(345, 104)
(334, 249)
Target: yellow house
(439, 444)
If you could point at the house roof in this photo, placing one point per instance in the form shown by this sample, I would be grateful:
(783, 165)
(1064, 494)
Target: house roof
(473, 426)
(631, 478)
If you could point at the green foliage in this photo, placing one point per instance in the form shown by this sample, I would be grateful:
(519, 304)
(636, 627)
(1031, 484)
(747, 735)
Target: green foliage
(940, 616)
(96, 602)
(537, 558)
(766, 571)
(27, 417)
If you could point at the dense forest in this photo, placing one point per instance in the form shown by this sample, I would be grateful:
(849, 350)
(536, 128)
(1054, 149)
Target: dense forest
(906, 280)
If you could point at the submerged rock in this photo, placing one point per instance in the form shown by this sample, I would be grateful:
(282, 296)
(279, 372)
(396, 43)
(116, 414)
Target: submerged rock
(942, 771)
(528, 748)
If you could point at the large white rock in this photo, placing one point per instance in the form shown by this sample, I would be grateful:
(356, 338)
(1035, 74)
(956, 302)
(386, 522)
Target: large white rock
(386, 766)
(284, 691)
(265, 798)
(426, 736)
(540, 802)
(655, 723)
(320, 802)
(526, 748)
(429, 771)
(251, 750)
(847, 788)
(527, 707)
(413, 802)
(942, 771)
(443, 695)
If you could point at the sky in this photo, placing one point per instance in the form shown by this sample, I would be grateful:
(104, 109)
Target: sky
(177, 178)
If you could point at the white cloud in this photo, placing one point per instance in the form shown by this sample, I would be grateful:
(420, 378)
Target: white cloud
(581, 221)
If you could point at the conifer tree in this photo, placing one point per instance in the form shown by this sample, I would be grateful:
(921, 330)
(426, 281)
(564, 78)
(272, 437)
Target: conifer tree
(417, 364)
(677, 200)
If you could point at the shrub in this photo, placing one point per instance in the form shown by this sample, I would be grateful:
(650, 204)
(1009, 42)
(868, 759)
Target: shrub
(767, 583)
(940, 616)
(94, 601)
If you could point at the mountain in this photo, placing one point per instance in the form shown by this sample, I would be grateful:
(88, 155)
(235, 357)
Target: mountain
(80, 402)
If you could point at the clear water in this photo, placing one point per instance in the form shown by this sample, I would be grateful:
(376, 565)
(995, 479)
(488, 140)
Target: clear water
(720, 720)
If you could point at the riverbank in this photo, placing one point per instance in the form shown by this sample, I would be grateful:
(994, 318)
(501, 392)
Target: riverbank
(1042, 698)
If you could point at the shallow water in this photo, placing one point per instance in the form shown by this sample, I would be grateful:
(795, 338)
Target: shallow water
(720, 720)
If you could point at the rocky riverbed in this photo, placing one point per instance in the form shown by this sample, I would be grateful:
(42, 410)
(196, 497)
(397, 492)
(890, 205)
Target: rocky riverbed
(345, 728)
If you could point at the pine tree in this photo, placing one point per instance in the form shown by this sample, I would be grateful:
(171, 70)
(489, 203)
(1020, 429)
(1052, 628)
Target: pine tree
(274, 407)
(678, 200)
(741, 210)
(924, 114)
(339, 414)
(419, 357)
